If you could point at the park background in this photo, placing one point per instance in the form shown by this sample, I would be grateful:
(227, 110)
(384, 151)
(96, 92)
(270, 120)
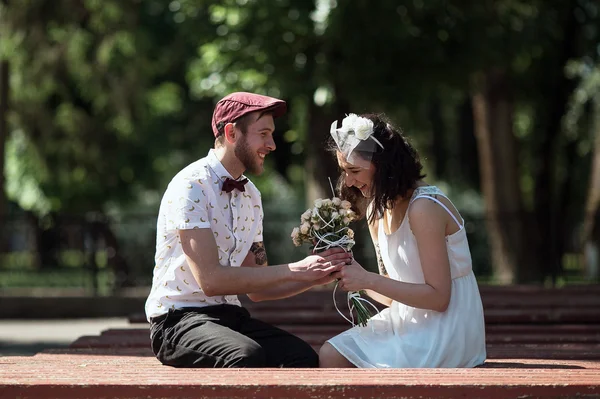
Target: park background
(103, 101)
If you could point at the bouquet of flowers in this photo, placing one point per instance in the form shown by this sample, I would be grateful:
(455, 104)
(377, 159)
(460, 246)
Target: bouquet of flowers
(325, 226)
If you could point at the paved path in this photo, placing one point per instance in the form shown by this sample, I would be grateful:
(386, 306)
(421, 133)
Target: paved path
(27, 337)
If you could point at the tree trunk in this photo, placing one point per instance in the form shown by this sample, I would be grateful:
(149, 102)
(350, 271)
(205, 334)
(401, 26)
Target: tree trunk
(493, 117)
(321, 165)
(591, 221)
(48, 241)
(550, 199)
(3, 137)
(101, 231)
(440, 149)
(33, 244)
(549, 208)
(92, 237)
(467, 146)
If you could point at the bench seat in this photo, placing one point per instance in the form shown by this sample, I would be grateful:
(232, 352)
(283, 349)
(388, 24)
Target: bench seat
(134, 373)
(540, 343)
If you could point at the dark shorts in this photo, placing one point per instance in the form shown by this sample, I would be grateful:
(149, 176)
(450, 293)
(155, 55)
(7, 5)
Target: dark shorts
(225, 336)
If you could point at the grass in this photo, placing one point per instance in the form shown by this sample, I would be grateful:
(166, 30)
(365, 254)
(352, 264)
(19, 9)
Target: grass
(25, 260)
(57, 278)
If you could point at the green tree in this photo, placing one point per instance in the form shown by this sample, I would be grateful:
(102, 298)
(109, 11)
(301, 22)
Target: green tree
(109, 99)
(4, 90)
(99, 109)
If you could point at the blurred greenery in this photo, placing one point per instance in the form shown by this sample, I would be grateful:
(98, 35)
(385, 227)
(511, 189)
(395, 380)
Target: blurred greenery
(108, 99)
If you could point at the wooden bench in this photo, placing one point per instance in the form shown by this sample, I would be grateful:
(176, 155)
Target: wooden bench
(496, 348)
(134, 373)
(540, 342)
(519, 315)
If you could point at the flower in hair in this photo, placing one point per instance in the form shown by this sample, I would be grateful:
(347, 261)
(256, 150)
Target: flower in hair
(354, 131)
(362, 127)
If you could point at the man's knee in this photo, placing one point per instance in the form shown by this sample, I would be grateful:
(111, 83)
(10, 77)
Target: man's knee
(309, 359)
(247, 356)
(233, 355)
(298, 354)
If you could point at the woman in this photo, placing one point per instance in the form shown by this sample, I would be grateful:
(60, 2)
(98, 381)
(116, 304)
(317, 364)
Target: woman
(434, 316)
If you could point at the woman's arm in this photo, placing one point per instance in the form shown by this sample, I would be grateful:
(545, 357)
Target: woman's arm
(428, 223)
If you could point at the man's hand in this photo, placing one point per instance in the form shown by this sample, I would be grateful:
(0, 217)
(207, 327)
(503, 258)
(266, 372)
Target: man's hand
(315, 267)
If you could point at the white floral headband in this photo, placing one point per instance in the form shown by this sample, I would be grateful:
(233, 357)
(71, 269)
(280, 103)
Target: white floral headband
(355, 130)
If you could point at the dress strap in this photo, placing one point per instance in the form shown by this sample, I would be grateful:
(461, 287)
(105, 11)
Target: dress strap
(460, 225)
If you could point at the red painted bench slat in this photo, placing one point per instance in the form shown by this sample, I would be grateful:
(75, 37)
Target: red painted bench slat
(85, 374)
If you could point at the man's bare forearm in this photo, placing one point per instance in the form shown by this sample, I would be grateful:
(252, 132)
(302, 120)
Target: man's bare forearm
(257, 257)
(227, 280)
(281, 291)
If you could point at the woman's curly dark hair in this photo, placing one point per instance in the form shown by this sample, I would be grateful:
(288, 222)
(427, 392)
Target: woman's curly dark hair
(397, 169)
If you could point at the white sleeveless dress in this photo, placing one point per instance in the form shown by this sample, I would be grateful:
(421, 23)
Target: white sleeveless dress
(402, 336)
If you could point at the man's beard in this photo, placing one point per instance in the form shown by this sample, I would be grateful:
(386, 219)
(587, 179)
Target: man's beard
(247, 157)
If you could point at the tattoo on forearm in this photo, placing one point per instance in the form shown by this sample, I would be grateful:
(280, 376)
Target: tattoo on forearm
(382, 270)
(260, 254)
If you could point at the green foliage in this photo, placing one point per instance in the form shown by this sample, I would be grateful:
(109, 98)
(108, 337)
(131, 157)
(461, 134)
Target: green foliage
(92, 104)
(110, 98)
(25, 173)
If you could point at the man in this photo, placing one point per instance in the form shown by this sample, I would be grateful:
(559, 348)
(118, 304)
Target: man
(209, 249)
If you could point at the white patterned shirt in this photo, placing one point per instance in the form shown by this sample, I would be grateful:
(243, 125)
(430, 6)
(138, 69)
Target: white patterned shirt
(194, 199)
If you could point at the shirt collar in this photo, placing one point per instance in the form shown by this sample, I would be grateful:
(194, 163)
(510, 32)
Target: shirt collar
(218, 168)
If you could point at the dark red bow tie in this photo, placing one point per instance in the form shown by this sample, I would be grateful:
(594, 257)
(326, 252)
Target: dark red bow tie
(231, 184)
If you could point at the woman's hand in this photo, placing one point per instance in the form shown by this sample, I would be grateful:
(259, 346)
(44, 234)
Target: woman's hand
(330, 253)
(354, 277)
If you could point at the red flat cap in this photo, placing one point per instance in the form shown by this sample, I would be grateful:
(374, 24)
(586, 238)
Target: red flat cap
(235, 105)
